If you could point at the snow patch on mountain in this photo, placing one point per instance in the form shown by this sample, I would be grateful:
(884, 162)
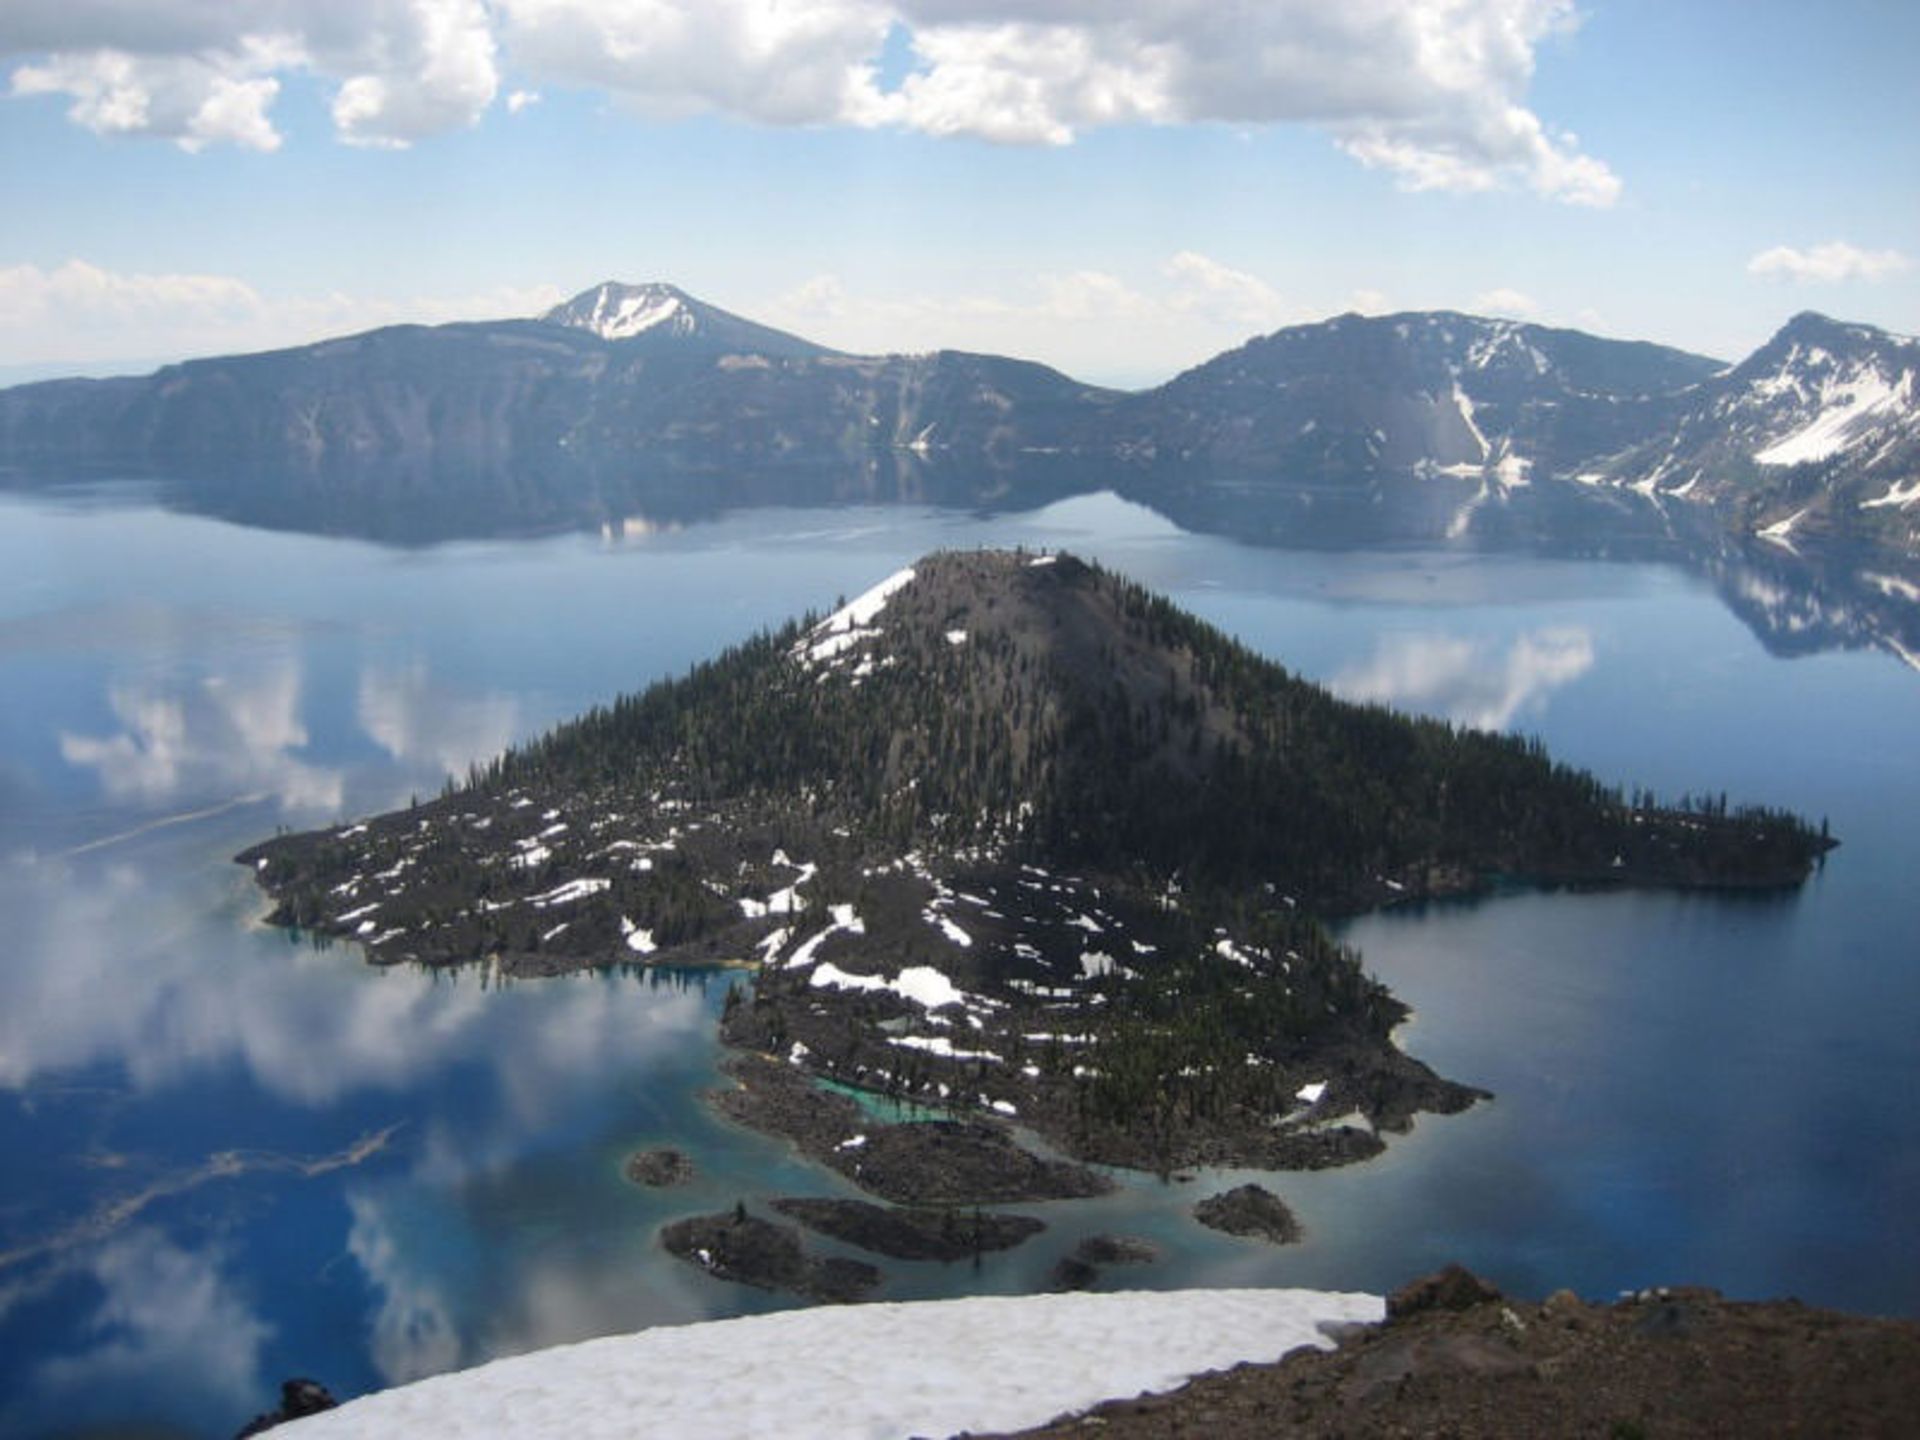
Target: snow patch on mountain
(1500, 339)
(1465, 405)
(620, 312)
(1899, 493)
(1781, 531)
(1849, 405)
(858, 1372)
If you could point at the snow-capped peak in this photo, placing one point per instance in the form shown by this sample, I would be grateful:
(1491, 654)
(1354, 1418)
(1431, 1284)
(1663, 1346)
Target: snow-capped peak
(1821, 388)
(619, 312)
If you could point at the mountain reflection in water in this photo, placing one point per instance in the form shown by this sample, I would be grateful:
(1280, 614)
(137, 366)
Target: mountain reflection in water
(1796, 600)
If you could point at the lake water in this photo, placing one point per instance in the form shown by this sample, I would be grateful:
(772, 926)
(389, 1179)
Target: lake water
(231, 1157)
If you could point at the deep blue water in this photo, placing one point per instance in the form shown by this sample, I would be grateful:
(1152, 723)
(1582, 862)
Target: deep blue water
(232, 1157)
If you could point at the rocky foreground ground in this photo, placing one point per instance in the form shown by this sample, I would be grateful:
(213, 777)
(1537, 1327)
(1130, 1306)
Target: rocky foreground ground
(1456, 1358)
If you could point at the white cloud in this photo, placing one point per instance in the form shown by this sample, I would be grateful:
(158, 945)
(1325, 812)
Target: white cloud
(1431, 90)
(779, 62)
(1503, 300)
(78, 313)
(1830, 263)
(77, 292)
(200, 74)
(1232, 297)
(1469, 681)
(1428, 89)
(522, 99)
(1083, 321)
(191, 99)
(433, 71)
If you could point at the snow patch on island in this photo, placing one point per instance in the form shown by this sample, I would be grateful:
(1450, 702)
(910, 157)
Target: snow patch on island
(851, 623)
(844, 921)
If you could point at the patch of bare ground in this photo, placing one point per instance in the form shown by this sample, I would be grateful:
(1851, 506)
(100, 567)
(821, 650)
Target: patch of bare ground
(1663, 1365)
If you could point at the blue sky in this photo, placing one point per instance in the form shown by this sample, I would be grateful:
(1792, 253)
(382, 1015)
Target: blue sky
(1120, 188)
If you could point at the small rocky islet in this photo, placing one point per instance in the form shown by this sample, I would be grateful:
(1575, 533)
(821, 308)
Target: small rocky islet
(1014, 840)
(660, 1168)
(752, 1250)
(1250, 1210)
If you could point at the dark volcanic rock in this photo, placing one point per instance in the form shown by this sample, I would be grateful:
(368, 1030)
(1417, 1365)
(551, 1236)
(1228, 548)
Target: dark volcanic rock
(737, 1246)
(1081, 1269)
(299, 1397)
(1072, 1273)
(965, 1162)
(1454, 1288)
(782, 1100)
(925, 1163)
(658, 1168)
(1249, 1210)
(1489, 1371)
(908, 1234)
(1116, 1250)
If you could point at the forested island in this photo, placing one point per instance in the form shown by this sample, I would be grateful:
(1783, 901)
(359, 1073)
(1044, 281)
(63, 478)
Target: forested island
(1012, 839)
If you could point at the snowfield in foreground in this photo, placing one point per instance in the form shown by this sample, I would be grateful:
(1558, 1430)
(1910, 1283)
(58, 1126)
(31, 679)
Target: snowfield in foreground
(861, 1372)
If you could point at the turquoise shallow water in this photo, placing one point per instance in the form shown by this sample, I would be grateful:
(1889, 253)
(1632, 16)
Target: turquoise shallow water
(233, 1157)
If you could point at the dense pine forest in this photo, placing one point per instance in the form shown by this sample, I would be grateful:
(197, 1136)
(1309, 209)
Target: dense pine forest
(1085, 720)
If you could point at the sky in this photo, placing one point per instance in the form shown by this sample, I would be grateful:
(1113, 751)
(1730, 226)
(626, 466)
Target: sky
(1120, 188)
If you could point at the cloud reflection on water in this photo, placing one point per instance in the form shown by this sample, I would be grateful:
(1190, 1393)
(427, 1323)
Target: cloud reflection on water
(1471, 682)
(109, 964)
(219, 737)
(419, 721)
(414, 1334)
(171, 1326)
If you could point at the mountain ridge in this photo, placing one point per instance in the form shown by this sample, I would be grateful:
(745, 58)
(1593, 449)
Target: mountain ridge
(1816, 435)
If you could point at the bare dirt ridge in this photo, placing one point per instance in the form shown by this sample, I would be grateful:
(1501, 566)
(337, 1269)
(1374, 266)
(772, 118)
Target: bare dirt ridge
(1456, 1358)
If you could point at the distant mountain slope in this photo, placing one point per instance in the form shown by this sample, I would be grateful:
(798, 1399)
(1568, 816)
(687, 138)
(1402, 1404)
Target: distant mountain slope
(1440, 391)
(1817, 433)
(617, 374)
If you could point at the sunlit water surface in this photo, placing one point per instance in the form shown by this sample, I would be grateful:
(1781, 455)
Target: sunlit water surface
(231, 1157)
